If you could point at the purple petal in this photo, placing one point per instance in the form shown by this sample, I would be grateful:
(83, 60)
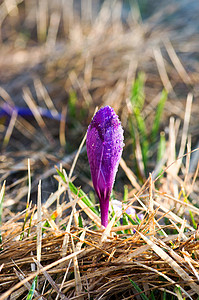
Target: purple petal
(104, 148)
(140, 216)
(131, 212)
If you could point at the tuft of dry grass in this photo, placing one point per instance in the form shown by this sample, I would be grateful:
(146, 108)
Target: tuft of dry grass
(99, 264)
(55, 59)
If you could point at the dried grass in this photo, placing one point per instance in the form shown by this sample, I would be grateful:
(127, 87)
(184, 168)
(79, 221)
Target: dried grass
(98, 58)
(102, 262)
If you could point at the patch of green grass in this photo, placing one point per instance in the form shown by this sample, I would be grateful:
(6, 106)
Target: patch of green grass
(80, 193)
(80, 222)
(137, 124)
(161, 146)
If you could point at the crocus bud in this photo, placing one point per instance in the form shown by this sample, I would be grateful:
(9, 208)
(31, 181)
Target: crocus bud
(104, 148)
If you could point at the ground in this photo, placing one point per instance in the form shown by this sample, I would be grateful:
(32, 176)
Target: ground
(61, 63)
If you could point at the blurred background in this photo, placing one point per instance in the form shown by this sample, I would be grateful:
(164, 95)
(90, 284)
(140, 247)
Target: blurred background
(61, 59)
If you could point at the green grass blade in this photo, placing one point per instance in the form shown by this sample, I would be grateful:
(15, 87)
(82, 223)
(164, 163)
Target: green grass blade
(161, 150)
(177, 290)
(152, 297)
(83, 197)
(133, 222)
(125, 222)
(190, 212)
(164, 295)
(125, 197)
(72, 104)
(61, 175)
(32, 289)
(159, 111)
(80, 221)
(137, 92)
(137, 100)
(193, 220)
(140, 122)
(143, 296)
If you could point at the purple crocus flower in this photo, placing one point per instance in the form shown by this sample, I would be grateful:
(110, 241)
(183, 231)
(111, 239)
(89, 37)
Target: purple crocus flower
(104, 148)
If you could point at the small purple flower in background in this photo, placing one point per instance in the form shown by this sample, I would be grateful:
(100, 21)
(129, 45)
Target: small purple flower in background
(104, 148)
(117, 207)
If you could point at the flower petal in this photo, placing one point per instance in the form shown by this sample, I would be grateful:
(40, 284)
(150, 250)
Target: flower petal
(104, 148)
